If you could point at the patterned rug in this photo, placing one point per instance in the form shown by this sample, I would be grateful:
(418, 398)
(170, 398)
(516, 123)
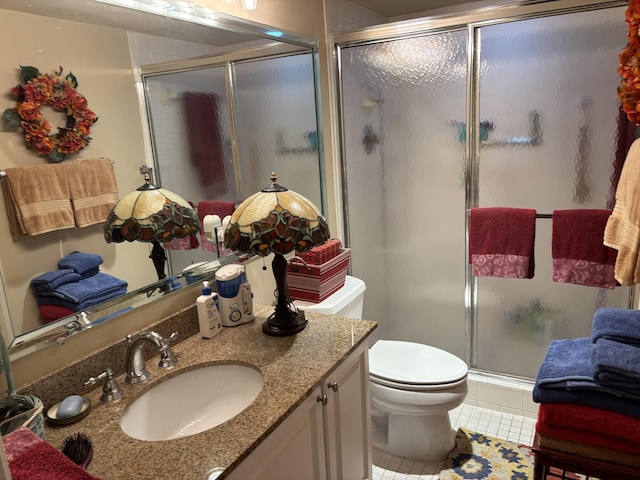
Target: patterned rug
(479, 457)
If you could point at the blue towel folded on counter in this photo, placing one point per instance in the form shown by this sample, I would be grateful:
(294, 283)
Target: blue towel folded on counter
(80, 262)
(616, 365)
(49, 281)
(619, 324)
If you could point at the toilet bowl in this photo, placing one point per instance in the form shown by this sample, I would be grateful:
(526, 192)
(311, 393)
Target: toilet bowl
(413, 386)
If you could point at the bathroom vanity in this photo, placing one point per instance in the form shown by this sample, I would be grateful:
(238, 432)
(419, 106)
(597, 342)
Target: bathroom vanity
(310, 420)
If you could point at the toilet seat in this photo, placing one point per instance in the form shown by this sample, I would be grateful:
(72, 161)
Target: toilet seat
(414, 367)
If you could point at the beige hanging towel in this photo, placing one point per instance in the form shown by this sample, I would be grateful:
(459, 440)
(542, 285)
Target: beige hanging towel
(93, 190)
(623, 227)
(37, 199)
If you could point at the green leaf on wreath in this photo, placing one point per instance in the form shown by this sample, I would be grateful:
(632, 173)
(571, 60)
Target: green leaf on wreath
(11, 117)
(56, 156)
(28, 73)
(71, 78)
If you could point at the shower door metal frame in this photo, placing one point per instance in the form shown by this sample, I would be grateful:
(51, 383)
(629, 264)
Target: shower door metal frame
(472, 21)
(228, 61)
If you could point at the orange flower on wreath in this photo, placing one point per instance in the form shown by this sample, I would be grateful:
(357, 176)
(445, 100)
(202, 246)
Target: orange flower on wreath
(39, 90)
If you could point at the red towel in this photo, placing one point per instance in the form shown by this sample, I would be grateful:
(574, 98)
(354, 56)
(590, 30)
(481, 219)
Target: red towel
(598, 421)
(577, 248)
(31, 458)
(213, 207)
(204, 136)
(49, 313)
(501, 242)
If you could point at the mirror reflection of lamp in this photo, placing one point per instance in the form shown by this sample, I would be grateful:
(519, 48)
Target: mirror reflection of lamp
(151, 214)
(279, 221)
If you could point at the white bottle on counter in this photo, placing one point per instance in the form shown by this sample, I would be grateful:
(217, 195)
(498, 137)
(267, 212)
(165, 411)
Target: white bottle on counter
(208, 315)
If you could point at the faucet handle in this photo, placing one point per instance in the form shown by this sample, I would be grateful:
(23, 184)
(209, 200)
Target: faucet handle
(110, 390)
(172, 337)
(167, 357)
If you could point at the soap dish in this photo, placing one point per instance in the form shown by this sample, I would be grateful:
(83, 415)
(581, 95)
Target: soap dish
(52, 413)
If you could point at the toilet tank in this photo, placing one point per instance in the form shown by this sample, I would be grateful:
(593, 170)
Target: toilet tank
(346, 302)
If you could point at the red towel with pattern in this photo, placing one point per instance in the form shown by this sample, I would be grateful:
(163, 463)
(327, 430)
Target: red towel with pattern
(501, 242)
(579, 254)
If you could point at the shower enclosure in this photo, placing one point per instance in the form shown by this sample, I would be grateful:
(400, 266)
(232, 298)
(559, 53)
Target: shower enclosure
(220, 126)
(486, 109)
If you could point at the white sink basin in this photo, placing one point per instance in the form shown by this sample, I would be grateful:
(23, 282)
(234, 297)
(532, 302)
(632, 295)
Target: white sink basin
(192, 402)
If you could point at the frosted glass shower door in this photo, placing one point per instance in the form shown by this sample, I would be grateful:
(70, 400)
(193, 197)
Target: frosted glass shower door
(561, 70)
(190, 131)
(404, 105)
(190, 127)
(276, 124)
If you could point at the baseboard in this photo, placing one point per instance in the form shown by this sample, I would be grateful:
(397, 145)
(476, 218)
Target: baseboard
(501, 393)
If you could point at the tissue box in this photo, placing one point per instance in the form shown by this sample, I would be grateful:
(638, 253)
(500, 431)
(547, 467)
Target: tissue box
(317, 282)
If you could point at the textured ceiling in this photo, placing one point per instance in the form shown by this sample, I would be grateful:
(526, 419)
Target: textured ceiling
(397, 8)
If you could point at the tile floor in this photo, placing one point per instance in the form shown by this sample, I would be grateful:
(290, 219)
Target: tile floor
(501, 425)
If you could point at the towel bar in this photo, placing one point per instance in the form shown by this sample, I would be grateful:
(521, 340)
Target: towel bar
(538, 215)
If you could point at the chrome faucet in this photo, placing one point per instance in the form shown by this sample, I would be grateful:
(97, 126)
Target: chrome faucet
(135, 368)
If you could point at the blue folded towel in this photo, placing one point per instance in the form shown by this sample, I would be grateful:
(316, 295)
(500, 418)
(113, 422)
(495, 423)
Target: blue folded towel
(567, 366)
(92, 287)
(48, 299)
(80, 262)
(565, 377)
(49, 281)
(616, 365)
(619, 324)
(592, 398)
(566, 360)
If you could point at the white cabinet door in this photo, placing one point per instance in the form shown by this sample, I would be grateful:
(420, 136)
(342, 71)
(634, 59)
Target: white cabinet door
(294, 451)
(348, 417)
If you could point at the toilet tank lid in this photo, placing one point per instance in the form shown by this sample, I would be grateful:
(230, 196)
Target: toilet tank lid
(414, 363)
(353, 287)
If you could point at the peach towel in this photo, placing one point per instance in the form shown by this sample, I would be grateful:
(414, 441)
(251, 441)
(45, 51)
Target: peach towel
(622, 231)
(44, 198)
(37, 199)
(93, 190)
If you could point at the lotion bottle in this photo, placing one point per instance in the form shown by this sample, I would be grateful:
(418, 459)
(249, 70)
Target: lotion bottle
(208, 315)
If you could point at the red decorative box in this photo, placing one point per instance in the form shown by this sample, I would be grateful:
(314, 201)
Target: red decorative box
(313, 283)
(322, 253)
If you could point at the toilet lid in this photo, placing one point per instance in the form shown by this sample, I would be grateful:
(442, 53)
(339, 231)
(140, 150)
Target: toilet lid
(414, 363)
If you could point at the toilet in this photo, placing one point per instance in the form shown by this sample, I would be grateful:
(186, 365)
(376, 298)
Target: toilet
(413, 386)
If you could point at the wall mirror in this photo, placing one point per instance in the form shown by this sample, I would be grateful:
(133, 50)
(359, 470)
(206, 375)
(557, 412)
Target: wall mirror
(259, 84)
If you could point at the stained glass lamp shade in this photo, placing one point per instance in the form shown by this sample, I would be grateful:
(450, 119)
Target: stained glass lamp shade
(151, 214)
(279, 221)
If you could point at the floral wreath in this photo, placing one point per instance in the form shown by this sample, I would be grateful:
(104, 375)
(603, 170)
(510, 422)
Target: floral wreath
(629, 69)
(38, 90)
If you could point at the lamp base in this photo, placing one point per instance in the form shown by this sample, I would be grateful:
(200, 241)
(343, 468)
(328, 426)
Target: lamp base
(283, 327)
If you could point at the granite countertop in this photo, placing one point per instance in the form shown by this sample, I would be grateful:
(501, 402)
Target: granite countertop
(291, 366)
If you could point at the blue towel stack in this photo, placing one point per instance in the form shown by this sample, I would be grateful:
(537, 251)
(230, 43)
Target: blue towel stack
(78, 284)
(601, 371)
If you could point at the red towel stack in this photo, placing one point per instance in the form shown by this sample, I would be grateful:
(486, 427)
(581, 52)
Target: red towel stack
(501, 242)
(589, 425)
(579, 254)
